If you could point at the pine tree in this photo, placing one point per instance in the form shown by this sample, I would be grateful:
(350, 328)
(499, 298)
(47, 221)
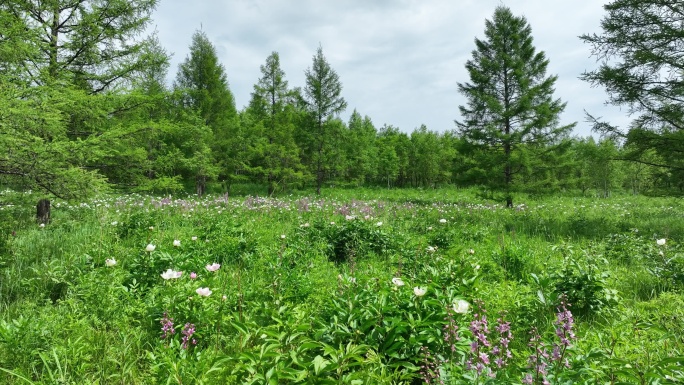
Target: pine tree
(324, 101)
(511, 116)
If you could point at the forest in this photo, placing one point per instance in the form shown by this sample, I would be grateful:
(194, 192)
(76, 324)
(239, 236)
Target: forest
(86, 108)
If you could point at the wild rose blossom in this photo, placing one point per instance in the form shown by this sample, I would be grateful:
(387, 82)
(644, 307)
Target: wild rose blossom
(419, 291)
(150, 248)
(176, 243)
(397, 281)
(110, 262)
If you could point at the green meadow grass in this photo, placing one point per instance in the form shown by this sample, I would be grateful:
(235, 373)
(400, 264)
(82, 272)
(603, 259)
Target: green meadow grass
(305, 291)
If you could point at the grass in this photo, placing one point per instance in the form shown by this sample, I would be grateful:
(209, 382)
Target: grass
(305, 295)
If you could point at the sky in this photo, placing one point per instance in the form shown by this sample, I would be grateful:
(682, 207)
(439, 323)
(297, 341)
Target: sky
(399, 61)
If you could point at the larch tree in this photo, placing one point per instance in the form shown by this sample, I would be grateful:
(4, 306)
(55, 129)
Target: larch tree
(66, 69)
(273, 117)
(511, 117)
(641, 55)
(323, 96)
(202, 86)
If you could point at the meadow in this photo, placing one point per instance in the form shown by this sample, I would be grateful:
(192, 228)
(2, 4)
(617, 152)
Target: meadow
(350, 287)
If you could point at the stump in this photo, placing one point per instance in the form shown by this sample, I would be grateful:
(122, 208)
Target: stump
(43, 211)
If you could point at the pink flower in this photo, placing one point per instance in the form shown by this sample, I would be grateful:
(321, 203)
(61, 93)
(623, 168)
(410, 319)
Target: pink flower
(213, 267)
(193, 275)
(203, 292)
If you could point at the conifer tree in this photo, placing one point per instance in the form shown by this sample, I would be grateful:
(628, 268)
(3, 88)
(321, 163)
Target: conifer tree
(202, 85)
(511, 116)
(322, 94)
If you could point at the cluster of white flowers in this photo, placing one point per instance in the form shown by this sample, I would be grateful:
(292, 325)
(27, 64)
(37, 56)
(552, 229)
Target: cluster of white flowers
(171, 274)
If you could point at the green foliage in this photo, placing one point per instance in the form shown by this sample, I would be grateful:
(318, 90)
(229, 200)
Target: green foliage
(638, 51)
(511, 118)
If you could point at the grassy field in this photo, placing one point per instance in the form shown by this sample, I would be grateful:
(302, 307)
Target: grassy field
(353, 287)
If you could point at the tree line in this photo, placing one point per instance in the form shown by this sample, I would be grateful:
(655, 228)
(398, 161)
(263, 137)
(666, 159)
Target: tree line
(85, 107)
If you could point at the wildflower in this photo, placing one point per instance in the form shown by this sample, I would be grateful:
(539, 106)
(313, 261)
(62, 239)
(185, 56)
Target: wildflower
(193, 275)
(41, 225)
(224, 297)
(419, 291)
(150, 248)
(471, 251)
(188, 331)
(193, 238)
(282, 236)
(349, 217)
(171, 274)
(431, 249)
(397, 281)
(176, 243)
(460, 306)
(203, 291)
(115, 223)
(305, 225)
(110, 262)
(167, 326)
(332, 223)
(213, 267)
(379, 224)
(661, 242)
(429, 228)
(151, 228)
(442, 220)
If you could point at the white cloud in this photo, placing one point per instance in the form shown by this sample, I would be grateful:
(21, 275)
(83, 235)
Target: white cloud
(399, 61)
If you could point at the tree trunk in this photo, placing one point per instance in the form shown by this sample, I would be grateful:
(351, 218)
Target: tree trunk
(201, 185)
(43, 211)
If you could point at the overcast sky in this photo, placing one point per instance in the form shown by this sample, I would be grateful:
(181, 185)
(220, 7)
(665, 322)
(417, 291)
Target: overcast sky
(399, 61)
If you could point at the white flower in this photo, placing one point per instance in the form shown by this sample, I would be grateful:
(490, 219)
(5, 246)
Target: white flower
(397, 281)
(41, 225)
(349, 217)
(110, 262)
(332, 223)
(430, 228)
(115, 223)
(379, 224)
(213, 267)
(442, 220)
(150, 248)
(305, 224)
(151, 228)
(461, 306)
(171, 274)
(419, 291)
(471, 251)
(203, 291)
(193, 238)
(431, 249)
(661, 242)
(282, 236)
(176, 243)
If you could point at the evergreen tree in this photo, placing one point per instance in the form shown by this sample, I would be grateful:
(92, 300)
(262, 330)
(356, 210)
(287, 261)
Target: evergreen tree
(640, 50)
(511, 116)
(202, 85)
(273, 111)
(322, 95)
